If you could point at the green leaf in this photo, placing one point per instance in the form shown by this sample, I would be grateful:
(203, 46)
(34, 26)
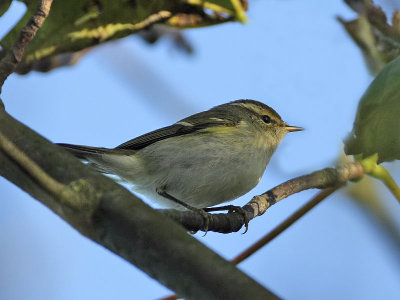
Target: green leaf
(75, 25)
(377, 125)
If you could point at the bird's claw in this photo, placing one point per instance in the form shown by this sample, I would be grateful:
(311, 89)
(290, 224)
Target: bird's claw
(206, 219)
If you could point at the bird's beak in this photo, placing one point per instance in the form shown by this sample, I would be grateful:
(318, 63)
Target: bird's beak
(293, 128)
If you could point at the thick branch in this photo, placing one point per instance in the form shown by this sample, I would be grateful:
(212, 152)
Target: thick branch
(14, 55)
(124, 224)
(66, 194)
(232, 222)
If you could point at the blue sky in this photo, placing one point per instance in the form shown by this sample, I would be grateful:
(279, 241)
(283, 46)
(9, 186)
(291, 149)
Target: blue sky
(293, 56)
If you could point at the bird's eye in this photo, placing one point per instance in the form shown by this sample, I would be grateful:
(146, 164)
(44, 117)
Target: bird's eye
(266, 119)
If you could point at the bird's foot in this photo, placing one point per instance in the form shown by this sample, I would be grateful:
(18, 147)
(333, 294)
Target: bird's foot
(231, 209)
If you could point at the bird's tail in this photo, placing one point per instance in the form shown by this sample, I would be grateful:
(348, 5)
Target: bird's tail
(93, 155)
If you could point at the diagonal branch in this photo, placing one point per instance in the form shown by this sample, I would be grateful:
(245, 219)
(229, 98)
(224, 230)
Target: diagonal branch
(284, 225)
(66, 193)
(14, 55)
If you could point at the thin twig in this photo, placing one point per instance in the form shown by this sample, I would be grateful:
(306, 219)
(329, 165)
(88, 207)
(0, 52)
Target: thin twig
(14, 55)
(329, 177)
(232, 222)
(284, 225)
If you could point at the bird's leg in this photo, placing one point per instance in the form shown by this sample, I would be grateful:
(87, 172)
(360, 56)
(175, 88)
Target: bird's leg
(206, 217)
(231, 209)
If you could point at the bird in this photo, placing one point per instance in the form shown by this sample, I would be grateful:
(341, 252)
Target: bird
(206, 159)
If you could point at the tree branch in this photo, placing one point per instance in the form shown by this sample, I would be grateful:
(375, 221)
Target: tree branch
(284, 225)
(123, 223)
(14, 55)
(232, 222)
(66, 194)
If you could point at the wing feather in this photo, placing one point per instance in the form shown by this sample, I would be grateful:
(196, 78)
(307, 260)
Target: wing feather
(189, 125)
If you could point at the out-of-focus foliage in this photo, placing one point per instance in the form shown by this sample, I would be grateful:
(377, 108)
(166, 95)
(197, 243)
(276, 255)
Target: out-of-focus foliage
(4, 5)
(377, 125)
(366, 194)
(155, 33)
(75, 25)
(378, 40)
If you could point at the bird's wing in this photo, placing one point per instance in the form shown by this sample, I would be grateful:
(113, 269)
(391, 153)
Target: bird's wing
(189, 125)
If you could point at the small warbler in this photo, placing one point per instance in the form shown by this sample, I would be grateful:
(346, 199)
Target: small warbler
(203, 160)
